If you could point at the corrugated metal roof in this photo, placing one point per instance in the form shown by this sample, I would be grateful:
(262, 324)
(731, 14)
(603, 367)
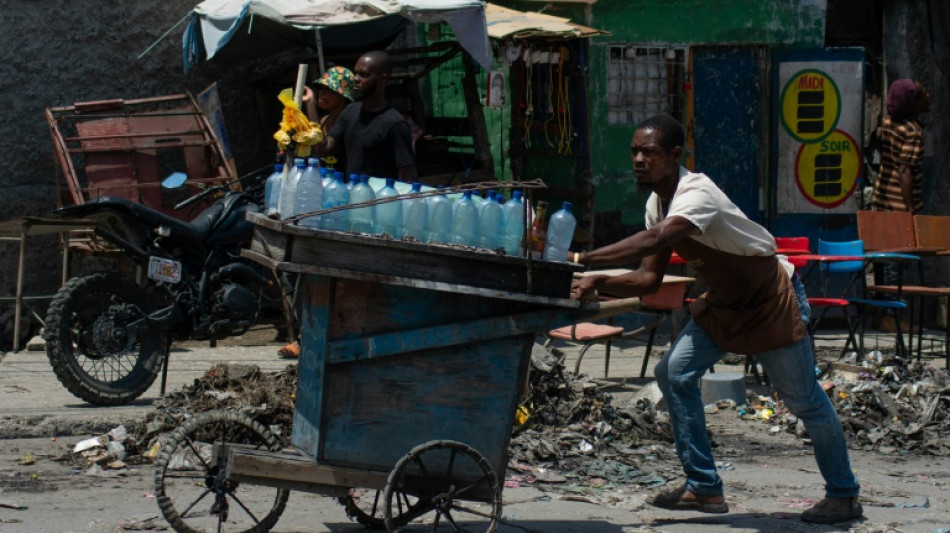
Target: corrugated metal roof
(509, 23)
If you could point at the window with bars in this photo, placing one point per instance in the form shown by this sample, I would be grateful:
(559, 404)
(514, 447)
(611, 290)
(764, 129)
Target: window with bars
(643, 81)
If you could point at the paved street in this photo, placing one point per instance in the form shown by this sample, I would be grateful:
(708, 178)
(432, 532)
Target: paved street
(769, 479)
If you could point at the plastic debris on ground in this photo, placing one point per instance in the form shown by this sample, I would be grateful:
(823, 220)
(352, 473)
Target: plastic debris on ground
(106, 450)
(886, 404)
(577, 443)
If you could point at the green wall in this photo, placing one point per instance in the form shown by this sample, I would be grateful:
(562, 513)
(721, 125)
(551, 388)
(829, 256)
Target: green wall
(789, 22)
(780, 23)
(785, 23)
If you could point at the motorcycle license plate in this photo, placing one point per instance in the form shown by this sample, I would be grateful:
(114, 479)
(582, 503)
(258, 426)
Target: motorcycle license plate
(161, 269)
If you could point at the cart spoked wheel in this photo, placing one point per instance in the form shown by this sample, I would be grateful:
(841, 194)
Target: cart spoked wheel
(366, 507)
(190, 484)
(457, 490)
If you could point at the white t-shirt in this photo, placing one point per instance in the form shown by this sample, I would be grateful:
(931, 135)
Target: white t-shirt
(721, 225)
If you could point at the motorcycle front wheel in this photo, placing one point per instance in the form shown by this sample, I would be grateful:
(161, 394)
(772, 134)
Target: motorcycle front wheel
(92, 351)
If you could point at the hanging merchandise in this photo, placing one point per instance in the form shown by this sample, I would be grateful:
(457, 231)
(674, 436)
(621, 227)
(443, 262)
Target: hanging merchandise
(546, 88)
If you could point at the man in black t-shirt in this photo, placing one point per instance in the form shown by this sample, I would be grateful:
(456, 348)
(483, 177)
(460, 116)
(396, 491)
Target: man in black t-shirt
(374, 137)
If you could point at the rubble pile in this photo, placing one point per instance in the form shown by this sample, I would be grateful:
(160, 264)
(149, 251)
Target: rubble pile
(575, 440)
(894, 407)
(266, 396)
(885, 404)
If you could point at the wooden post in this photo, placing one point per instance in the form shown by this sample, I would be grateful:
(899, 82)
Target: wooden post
(18, 310)
(477, 116)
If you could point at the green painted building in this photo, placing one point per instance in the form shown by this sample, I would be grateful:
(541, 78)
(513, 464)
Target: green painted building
(707, 63)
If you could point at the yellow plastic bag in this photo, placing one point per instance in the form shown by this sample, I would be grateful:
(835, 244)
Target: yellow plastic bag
(296, 127)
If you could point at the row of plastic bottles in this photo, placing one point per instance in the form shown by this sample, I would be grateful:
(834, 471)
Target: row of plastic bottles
(493, 223)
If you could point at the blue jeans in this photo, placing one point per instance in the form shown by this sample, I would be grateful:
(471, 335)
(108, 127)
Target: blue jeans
(791, 370)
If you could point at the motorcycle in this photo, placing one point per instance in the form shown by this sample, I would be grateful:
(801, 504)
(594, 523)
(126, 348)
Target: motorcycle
(107, 337)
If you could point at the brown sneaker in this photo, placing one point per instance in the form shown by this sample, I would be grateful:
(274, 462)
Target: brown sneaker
(834, 510)
(290, 351)
(684, 500)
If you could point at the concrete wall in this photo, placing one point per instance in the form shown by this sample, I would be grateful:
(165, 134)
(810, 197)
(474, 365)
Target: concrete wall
(58, 53)
(917, 46)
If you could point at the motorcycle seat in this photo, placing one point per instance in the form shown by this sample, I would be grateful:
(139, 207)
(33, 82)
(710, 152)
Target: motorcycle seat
(195, 231)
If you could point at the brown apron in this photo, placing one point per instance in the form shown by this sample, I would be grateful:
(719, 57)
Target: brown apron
(750, 306)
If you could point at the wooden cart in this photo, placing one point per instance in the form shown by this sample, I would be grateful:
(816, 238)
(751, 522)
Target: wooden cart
(413, 358)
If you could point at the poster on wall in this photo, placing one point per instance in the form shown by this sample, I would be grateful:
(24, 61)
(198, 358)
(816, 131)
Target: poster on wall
(820, 123)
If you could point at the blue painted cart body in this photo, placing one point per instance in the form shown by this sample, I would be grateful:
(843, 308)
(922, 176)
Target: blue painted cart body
(390, 361)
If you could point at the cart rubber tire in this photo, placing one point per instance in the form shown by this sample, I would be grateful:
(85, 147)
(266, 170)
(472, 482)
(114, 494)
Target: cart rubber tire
(447, 504)
(73, 335)
(372, 517)
(185, 441)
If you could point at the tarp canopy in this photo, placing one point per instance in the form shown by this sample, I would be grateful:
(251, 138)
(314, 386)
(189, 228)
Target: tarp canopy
(243, 29)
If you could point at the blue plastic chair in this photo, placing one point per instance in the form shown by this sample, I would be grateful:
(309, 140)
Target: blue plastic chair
(856, 291)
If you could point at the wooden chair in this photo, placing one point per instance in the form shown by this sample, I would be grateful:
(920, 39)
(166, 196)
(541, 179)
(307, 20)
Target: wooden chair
(886, 231)
(932, 232)
(660, 305)
(591, 333)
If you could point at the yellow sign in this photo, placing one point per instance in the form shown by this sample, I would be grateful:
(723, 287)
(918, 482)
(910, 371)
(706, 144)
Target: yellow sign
(827, 172)
(811, 106)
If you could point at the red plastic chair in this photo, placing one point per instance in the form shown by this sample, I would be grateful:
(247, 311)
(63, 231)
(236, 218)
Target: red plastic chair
(792, 246)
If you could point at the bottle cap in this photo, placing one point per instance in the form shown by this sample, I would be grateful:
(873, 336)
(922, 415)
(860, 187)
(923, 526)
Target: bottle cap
(278, 167)
(313, 161)
(566, 205)
(416, 186)
(390, 182)
(338, 175)
(300, 162)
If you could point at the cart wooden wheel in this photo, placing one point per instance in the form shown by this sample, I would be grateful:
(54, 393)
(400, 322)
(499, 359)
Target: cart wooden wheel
(190, 485)
(366, 507)
(457, 490)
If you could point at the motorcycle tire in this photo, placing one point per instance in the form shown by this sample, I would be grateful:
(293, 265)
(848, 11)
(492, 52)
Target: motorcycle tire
(91, 354)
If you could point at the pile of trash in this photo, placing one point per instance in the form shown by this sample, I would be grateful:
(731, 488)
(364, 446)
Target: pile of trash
(268, 397)
(885, 404)
(888, 405)
(105, 452)
(573, 439)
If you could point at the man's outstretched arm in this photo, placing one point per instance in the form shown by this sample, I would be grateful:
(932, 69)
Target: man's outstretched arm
(642, 244)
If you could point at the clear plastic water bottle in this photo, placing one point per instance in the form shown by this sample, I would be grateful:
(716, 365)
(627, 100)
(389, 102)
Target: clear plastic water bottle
(489, 222)
(288, 189)
(439, 218)
(388, 216)
(512, 224)
(414, 215)
(272, 191)
(335, 195)
(465, 221)
(327, 175)
(309, 194)
(361, 218)
(560, 234)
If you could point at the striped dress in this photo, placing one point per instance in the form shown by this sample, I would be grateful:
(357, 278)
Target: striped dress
(902, 143)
